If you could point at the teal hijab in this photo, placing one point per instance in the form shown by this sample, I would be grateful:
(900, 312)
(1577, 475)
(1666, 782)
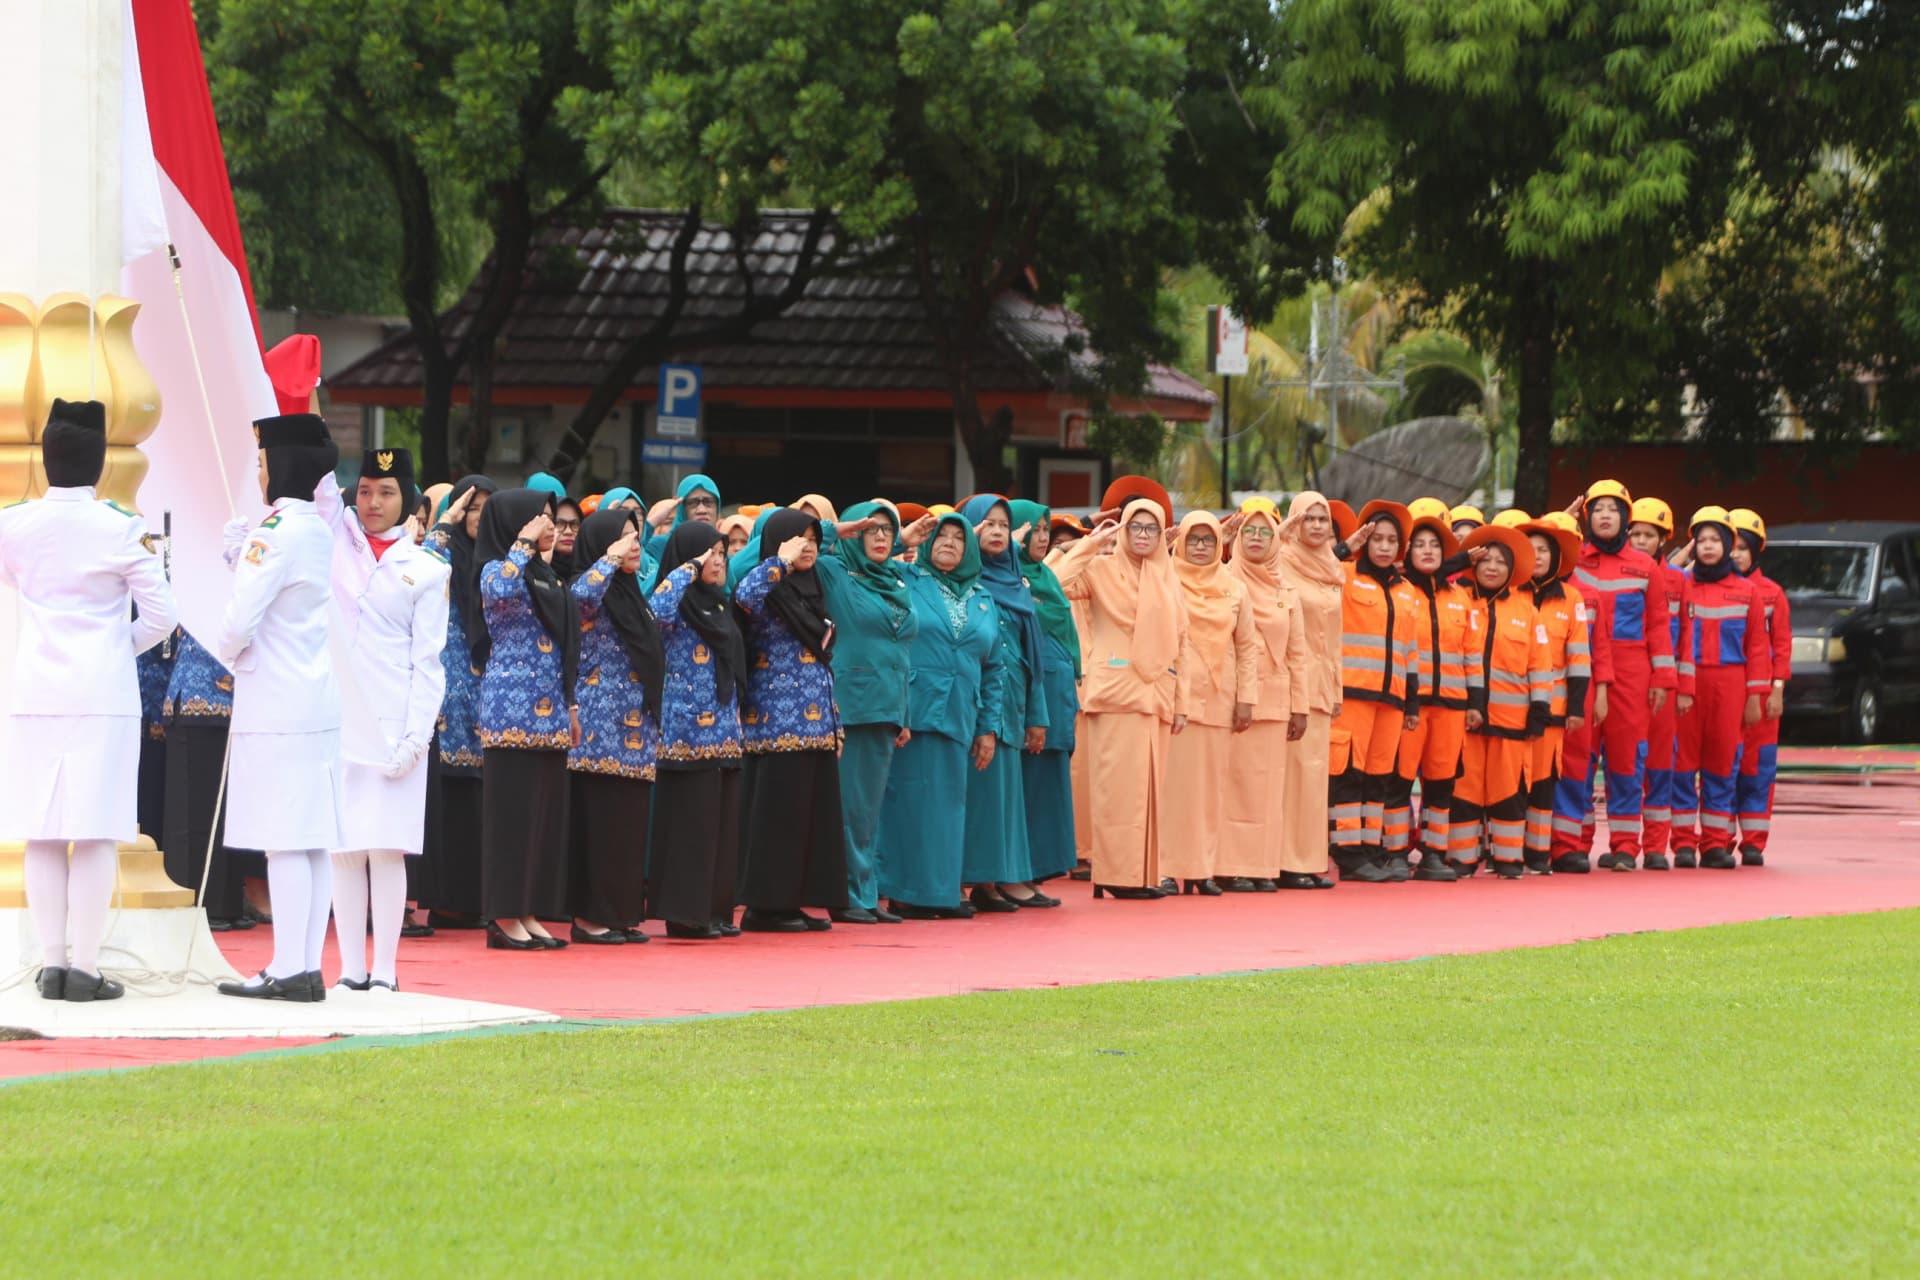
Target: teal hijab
(964, 575)
(612, 496)
(689, 486)
(1056, 615)
(882, 579)
(547, 483)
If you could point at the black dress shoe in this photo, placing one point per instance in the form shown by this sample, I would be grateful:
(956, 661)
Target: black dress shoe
(1169, 886)
(217, 925)
(1571, 864)
(443, 920)
(551, 943)
(985, 899)
(296, 989)
(728, 929)
(53, 983)
(1263, 885)
(1233, 884)
(607, 938)
(884, 916)
(382, 982)
(1129, 893)
(1040, 899)
(855, 915)
(815, 924)
(1080, 873)
(634, 934)
(411, 928)
(773, 921)
(351, 984)
(1303, 880)
(914, 911)
(692, 932)
(499, 939)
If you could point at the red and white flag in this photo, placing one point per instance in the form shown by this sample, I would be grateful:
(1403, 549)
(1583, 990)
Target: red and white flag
(174, 189)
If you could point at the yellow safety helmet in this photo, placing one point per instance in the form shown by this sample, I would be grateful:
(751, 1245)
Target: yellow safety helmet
(1561, 520)
(1512, 518)
(1747, 520)
(1610, 489)
(1465, 514)
(1654, 512)
(940, 509)
(1709, 515)
(1428, 509)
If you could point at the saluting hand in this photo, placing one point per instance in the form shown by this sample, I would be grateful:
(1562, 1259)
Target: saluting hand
(535, 529)
(919, 531)
(624, 546)
(790, 549)
(457, 509)
(660, 514)
(854, 528)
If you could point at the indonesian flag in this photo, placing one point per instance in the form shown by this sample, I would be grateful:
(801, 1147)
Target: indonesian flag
(174, 190)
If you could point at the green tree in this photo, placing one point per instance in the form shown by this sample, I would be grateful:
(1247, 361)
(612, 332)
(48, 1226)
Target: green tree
(1540, 162)
(451, 103)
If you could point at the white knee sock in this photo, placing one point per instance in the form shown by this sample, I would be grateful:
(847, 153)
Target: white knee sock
(319, 906)
(350, 913)
(389, 871)
(290, 881)
(45, 870)
(91, 880)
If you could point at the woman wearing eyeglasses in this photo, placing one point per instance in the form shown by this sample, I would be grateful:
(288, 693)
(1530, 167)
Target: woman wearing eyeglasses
(1135, 692)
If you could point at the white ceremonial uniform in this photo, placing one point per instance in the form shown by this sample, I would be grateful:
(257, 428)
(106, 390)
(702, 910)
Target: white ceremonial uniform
(283, 774)
(391, 625)
(72, 754)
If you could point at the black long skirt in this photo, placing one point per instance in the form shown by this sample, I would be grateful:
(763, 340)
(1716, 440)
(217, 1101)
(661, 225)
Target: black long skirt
(608, 883)
(150, 800)
(453, 854)
(693, 855)
(523, 838)
(793, 844)
(196, 756)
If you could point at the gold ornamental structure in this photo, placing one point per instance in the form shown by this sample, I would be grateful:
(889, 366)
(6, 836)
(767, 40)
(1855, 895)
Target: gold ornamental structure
(64, 348)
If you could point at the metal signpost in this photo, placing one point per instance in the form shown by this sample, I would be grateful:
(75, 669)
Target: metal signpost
(1226, 356)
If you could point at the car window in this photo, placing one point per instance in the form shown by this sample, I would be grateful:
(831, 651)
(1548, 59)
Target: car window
(1839, 569)
(1897, 573)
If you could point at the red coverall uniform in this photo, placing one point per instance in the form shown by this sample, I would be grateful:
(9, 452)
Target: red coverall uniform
(1753, 793)
(1731, 661)
(1663, 730)
(1633, 653)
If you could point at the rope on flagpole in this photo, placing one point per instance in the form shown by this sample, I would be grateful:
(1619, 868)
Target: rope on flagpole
(200, 377)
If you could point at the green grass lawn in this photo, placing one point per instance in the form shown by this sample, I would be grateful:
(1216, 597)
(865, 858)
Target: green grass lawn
(1722, 1102)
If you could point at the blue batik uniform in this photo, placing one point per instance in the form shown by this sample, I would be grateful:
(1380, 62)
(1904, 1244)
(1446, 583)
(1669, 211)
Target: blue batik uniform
(617, 736)
(523, 703)
(790, 704)
(459, 726)
(696, 728)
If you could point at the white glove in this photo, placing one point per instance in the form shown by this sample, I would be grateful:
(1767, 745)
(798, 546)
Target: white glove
(407, 755)
(233, 537)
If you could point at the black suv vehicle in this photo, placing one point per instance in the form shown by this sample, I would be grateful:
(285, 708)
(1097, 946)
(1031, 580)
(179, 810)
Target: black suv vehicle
(1855, 591)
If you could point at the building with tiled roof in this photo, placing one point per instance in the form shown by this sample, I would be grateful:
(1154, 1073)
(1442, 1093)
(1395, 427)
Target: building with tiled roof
(841, 393)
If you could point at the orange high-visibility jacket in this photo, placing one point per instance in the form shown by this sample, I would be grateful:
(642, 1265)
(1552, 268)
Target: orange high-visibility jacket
(1378, 659)
(1515, 692)
(1447, 646)
(1563, 612)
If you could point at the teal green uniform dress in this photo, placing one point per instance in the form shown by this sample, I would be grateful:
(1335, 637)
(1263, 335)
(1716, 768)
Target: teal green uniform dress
(1048, 775)
(874, 629)
(953, 697)
(997, 850)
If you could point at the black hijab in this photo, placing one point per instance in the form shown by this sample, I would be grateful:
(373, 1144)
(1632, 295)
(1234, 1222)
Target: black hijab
(1715, 572)
(797, 599)
(707, 609)
(507, 512)
(463, 585)
(568, 563)
(1610, 546)
(632, 620)
(296, 470)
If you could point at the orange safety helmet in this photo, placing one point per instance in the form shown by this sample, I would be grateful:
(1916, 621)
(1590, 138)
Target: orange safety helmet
(1513, 540)
(1564, 534)
(1654, 512)
(1126, 488)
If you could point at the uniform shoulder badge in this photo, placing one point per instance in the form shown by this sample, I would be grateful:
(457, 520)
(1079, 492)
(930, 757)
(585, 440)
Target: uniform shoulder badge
(125, 511)
(146, 540)
(437, 553)
(256, 551)
(271, 522)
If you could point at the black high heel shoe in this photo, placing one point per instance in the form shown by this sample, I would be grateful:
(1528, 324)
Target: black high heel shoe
(1205, 888)
(1128, 893)
(499, 939)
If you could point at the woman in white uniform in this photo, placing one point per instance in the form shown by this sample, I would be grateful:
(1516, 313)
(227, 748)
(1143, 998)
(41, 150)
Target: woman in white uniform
(390, 624)
(73, 735)
(283, 771)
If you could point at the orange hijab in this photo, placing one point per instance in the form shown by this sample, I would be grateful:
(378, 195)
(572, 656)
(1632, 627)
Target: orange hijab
(1143, 597)
(1298, 562)
(1263, 585)
(1208, 589)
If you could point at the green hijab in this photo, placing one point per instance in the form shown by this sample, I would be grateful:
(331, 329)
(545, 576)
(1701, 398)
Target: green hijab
(967, 572)
(882, 579)
(1056, 615)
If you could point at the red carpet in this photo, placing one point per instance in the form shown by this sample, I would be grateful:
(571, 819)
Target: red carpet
(1838, 847)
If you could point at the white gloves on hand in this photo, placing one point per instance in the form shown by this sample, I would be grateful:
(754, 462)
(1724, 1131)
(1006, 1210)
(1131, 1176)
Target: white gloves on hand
(233, 537)
(407, 755)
